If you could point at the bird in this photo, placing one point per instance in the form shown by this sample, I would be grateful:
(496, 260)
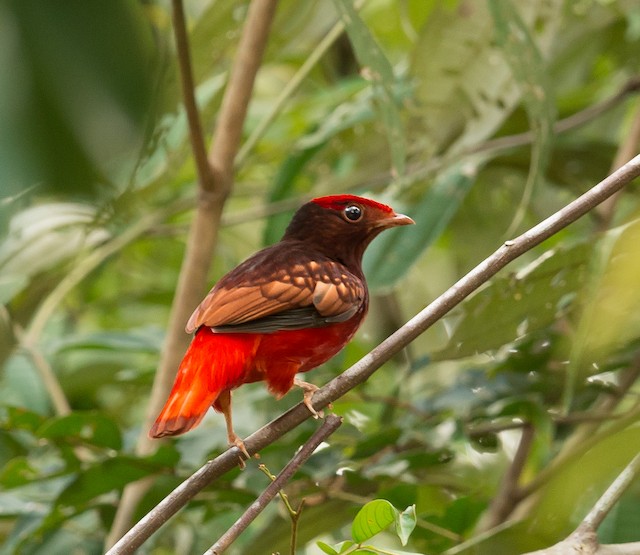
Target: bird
(283, 311)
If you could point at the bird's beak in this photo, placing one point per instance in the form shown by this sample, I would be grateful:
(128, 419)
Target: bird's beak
(396, 220)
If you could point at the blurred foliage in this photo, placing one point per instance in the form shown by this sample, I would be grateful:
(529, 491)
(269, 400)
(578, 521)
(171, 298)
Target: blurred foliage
(95, 173)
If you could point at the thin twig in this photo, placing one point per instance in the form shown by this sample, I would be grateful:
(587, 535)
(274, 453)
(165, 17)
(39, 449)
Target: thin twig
(509, 493)
(49, 379)
(196, 136)
(366, 366)
(329, 425)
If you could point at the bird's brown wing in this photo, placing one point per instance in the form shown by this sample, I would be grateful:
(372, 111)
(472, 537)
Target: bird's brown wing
(265, 294)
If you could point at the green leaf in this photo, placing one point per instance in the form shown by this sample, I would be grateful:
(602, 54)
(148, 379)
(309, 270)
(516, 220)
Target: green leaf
(326, 548)
(93, 428)
(12, 418)
(513, 305)
(392, 254)
(18, 472)
(374, 517)
(134, 341)
(405, 523)
(104, 477)
(335, 549)
(371, 57)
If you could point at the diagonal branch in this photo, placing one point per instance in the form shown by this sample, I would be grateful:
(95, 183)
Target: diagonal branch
(329, 425)
(366, 366)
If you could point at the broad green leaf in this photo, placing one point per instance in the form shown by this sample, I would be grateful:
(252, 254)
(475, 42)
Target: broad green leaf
(50, 114)
(405, 523)
(607, 322)
(458, 107)
(40, 237)
(513, 305)
(106, 476)
(574, 488)
(326, 548)
(379, 70)
(392, 254)
(372, 519)
(93, 428)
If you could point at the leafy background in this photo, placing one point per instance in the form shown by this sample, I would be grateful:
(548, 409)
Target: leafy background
(419, 104)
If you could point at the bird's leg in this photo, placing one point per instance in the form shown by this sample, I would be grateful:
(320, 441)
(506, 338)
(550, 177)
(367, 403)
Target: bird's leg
(223, 403)
(309, 389)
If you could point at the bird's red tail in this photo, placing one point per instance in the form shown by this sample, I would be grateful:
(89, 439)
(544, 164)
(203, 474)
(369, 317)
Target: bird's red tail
(212, 364)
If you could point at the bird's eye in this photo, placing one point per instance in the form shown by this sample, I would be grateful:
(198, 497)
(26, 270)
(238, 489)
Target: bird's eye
(353, 213)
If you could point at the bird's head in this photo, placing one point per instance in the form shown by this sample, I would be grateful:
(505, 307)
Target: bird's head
(342, 226)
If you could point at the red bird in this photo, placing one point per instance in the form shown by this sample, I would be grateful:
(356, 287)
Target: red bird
(287, 309)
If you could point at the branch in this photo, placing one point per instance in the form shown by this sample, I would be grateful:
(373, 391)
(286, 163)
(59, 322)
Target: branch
(509, 494)
(366, 366)
(329, 425)
(215, 178)
(584, 540)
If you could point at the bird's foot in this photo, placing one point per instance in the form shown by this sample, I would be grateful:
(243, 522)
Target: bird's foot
(234, 440)
(309, 389)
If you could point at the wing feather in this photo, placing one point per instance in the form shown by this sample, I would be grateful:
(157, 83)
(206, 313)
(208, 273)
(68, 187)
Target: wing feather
(259, 289)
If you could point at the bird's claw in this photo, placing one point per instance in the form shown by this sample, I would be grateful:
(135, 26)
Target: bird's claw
(309, 389)
(235, 441)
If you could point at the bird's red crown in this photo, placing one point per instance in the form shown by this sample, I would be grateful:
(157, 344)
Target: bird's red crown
(338, 202)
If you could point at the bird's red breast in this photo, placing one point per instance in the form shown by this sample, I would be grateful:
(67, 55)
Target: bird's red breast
(286, 309)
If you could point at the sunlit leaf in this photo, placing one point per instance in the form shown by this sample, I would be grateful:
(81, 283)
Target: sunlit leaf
(372, 519)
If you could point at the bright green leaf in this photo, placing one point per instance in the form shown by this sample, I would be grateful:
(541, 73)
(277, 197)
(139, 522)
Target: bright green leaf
(374, 517)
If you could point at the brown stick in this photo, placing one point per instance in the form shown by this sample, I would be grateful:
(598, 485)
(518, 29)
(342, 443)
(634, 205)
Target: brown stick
(329, 425)
(366, 366)
(215, 179)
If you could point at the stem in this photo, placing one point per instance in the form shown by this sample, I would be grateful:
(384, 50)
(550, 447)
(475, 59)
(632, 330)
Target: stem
(509, 493)
(215, 178)
(329, 425)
